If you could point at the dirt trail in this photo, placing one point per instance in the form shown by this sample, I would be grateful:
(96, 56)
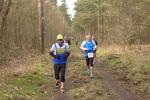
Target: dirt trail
(106, 77)
(114, 85)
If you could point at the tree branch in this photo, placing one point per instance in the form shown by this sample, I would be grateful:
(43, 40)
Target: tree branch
(144, 25)
(1, 5)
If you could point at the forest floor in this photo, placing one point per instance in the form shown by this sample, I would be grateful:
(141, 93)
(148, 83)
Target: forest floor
(116, 77)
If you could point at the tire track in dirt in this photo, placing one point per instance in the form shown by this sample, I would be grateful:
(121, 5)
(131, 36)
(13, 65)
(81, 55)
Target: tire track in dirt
(112, 84)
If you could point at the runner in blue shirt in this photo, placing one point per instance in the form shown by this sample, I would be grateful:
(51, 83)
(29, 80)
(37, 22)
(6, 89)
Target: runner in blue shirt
(60, 52)
(89, 47)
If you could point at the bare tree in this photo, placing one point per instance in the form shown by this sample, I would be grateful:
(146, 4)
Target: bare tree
(41, 24)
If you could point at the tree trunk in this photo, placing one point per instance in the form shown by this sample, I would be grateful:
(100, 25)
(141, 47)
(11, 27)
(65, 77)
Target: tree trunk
(41, 24)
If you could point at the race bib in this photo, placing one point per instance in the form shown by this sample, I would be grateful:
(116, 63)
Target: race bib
(90, 55)
(60, 50)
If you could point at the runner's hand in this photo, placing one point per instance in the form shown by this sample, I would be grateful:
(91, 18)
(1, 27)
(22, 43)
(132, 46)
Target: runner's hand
(95, 49)
(84, 49)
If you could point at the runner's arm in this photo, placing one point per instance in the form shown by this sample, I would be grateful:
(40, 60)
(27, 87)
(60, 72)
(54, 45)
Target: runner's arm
(95, 47)
(52, 54)
(51, 51)
(82, 46)
(67, 51)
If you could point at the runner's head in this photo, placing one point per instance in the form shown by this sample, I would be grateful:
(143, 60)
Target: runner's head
(89, 37)
(60, 39)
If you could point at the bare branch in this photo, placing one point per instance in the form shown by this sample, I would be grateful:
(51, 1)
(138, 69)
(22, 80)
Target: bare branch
(1, 5)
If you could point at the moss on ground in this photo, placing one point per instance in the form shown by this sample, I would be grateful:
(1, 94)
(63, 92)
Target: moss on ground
(133, 71)
(35, 84)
